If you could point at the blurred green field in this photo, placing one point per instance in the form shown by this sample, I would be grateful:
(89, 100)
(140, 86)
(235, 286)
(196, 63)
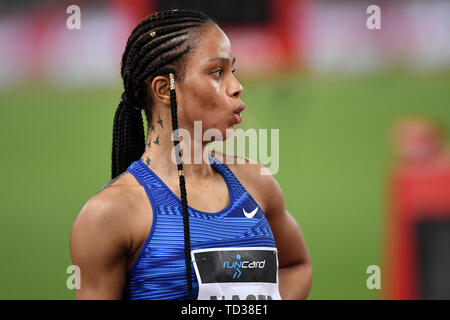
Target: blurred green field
(334, 156)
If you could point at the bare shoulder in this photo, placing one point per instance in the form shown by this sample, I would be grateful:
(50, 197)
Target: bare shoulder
(106, 215)
(112, 201)
(101, 242)
(256, 178)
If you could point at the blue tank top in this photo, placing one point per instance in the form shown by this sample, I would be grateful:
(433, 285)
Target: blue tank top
(159, 271)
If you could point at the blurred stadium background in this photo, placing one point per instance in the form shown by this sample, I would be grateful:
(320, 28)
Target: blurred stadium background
(310, 68)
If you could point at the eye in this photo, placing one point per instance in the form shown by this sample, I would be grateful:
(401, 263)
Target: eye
(219, 72)
(233, 70)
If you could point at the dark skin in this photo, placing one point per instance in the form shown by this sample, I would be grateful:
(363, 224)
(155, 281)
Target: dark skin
(113, 225)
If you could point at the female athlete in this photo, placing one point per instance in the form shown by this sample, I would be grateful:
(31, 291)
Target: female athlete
(138, 238)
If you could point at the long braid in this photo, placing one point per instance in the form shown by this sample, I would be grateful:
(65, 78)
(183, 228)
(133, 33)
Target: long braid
(176, 144)
(155, 47)
(128, 137)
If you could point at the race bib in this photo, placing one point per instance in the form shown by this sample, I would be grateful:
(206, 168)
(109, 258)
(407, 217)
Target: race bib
(241, 273)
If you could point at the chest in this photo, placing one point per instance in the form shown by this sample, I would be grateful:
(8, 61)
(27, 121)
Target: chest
(209, 199)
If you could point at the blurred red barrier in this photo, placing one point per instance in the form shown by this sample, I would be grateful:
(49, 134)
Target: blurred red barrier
(418, 194)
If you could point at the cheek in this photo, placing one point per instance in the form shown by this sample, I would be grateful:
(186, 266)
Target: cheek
(204, 105)
(205, 102)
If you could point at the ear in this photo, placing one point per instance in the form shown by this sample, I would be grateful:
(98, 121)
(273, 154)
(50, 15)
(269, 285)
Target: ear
(160, 88)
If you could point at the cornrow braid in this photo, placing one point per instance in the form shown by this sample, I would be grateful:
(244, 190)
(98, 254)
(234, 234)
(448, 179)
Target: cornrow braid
(176, 144)
(159, 29)
(155, 47)
(155, 21)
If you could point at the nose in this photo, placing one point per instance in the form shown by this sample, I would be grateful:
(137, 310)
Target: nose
(236, 88)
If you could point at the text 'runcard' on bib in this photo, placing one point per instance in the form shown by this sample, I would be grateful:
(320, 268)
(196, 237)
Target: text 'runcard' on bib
(237, 273)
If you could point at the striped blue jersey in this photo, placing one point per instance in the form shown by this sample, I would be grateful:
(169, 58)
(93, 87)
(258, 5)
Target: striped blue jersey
(159, 271)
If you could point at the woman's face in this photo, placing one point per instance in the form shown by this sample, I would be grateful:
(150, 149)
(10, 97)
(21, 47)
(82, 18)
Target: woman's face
(210, 91)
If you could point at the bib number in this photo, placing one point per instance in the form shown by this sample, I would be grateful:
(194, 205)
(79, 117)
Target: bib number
(241, 273)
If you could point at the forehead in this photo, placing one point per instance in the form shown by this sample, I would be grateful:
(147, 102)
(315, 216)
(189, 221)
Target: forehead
(212, 44)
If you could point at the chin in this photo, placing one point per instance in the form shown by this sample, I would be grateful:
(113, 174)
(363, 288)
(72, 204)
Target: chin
(218, 134)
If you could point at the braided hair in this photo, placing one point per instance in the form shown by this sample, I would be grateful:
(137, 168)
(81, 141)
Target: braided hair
(155, 47)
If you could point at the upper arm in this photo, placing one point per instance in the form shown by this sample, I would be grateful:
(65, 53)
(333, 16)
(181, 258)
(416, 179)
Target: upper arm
(98, 245)
(287, 233)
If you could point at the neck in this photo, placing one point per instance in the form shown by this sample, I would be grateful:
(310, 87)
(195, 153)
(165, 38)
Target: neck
(159, 151)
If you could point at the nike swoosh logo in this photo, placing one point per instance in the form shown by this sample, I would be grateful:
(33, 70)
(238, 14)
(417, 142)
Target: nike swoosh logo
(250, 214)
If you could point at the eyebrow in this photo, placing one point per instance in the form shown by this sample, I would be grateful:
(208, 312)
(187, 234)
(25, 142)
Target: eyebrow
(222, 59)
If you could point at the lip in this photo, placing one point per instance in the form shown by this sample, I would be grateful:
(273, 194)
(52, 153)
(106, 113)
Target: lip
(240, 108)
(237, 117)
